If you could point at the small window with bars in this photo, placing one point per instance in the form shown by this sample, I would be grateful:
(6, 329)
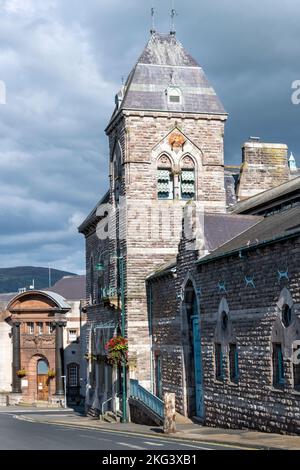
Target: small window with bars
(164, 184)
(219, 362)
(233, 363)
(187, 184)
(73, 375)
(278, 366)
(296, 368)
(30, 328)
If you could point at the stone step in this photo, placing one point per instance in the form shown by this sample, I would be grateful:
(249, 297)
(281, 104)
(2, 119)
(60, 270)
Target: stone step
(111, 417)
(38, 404)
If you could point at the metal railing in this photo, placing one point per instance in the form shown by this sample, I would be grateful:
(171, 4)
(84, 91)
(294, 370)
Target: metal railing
(151, 401)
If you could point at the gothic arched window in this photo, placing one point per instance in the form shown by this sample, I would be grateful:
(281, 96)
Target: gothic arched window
(286, 315)
(117, 173)
(165, 183)
(187, 178)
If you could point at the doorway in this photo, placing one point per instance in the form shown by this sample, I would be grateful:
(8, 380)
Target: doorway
(193, 357)
(42, 380)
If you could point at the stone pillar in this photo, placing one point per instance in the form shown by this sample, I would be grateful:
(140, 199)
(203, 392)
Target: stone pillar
(59, 347)
(170, 413)
(16, 381)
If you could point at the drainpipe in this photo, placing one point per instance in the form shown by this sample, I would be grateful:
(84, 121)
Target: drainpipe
(124, 371)
(151, 336)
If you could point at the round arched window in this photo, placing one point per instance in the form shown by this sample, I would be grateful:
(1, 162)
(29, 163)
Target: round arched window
(286, 315)
(42, 367)
(224, 321)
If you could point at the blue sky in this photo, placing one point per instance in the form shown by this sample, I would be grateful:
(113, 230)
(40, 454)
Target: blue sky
(63, 61)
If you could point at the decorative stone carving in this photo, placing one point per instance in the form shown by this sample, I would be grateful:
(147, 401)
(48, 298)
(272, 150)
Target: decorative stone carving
(176, 141)
(38, 341)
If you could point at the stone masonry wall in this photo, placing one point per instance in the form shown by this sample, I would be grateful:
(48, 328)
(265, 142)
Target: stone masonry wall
(253, 314)
(265, 166)
(138, 134)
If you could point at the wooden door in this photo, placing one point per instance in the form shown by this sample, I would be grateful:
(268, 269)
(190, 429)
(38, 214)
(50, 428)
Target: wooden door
(42, 387)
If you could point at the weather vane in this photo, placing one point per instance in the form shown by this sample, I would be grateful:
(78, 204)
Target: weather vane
(173, 15)
(152, 31)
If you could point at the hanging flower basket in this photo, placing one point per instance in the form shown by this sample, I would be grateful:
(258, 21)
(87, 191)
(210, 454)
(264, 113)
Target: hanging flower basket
(51, 374)
(21, 373)
(117, 351)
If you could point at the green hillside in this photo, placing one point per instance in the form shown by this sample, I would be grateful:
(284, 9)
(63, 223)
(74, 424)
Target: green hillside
(13, 279)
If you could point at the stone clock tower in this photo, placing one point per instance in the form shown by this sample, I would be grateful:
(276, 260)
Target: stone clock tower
(166, 149)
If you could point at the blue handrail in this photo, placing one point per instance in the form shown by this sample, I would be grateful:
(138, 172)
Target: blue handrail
(147, 398)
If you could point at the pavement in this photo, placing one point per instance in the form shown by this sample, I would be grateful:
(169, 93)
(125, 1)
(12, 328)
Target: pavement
(39, 430)
(194, 434)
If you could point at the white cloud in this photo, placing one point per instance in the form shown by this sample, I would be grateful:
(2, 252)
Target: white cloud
(62, 62)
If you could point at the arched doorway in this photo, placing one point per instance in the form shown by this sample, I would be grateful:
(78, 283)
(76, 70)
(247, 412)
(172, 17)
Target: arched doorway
(193, 359)
(42, 380)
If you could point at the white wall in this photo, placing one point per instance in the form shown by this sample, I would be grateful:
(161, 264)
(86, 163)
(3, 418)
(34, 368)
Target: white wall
(5, 357)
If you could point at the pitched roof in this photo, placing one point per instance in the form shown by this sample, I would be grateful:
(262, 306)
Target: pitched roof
(271, 195)
(268, 229)
(70, 287)
(164, 63)
(218, 228)
(92, 217)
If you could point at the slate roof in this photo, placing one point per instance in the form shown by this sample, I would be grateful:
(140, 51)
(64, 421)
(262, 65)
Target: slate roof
(70, 287)
(91, 218)
(288, 189)
(163, 63)
(268, 229)
(218, 229)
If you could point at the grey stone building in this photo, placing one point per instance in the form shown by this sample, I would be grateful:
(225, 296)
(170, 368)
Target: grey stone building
(166, 147)
(240, 369)
(197, 320)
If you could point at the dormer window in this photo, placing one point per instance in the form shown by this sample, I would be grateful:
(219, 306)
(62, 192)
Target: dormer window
(174, 95)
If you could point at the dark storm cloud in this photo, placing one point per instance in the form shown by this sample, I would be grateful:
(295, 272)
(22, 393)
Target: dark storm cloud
(63, 61)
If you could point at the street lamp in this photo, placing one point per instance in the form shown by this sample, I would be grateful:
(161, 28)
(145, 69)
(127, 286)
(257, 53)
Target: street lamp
(100, 267)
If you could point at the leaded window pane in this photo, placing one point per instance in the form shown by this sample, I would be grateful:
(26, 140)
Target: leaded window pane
(164, 184)
(187, 182)
(73, 375)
